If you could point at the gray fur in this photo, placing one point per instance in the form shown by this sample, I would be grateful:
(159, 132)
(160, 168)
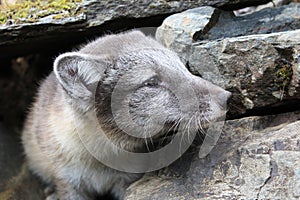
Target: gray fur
(146, 73)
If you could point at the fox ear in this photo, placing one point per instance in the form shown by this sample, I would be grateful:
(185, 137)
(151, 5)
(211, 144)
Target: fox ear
(79, 74)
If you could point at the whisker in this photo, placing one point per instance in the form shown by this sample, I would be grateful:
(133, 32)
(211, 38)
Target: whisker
(186, 128)
(173, 127)
(146, 142)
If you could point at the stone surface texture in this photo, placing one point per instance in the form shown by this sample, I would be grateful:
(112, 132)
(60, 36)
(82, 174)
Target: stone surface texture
(268, 20)
(255, 158)
(208, 23)
(98, 18)
(261, 70)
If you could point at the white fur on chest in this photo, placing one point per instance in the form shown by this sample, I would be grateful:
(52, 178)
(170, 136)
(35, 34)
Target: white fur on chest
(81, 166)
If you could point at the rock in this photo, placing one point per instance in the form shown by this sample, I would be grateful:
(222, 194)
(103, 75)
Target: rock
(274, 3)
(94, 18)
(16, 182)
(269, 20)
(206, 23)
(255, 158)
(260, 70)
(178, 30)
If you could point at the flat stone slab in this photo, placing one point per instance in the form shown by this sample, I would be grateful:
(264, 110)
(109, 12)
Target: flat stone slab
(268, 20)
(206, 23)
(96, 18)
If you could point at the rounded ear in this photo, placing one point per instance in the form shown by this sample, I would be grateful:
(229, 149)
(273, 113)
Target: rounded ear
(77, 73)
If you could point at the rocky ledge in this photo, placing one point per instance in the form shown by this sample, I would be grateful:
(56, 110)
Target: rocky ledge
(255, 158)
(260, 68)
(92, 18)
(255, 56)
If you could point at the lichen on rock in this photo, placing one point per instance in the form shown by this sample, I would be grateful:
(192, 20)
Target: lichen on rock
(283, 76)
(32, 11)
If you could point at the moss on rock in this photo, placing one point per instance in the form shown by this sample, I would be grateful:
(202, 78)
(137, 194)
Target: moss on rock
(31, 11)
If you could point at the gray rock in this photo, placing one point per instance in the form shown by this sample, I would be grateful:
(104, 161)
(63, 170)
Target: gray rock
(177, 31)
(272, 4)
(260, 70)
(206, 23)
(268, 20)
(16, 182)
(95, 18)
(255, 158)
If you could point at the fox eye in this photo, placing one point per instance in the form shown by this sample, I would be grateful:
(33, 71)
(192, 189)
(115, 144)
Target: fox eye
(153, 81)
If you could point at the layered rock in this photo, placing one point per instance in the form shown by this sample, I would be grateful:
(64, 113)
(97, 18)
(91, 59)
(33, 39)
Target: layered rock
(255, 158)
(208, 23)
(53, 33)
(261, 70)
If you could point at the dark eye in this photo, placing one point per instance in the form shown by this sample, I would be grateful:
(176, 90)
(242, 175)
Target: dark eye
(153, 81)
